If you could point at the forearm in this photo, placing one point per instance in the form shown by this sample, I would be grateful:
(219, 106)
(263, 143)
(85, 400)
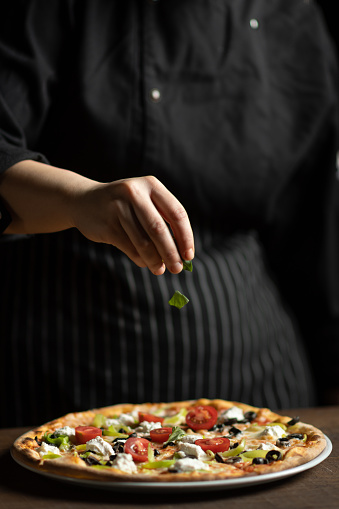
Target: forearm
(39, 197)
(131, 214)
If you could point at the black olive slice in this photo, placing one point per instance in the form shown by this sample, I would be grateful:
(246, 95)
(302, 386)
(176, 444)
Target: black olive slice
(293, 421)
(273, 456)
(233, 459)
(91, 461)
(234, 431)
(259, 461)
(299, 436)
(250, 416)
(219, 458)
(283, 442)
(168, 444)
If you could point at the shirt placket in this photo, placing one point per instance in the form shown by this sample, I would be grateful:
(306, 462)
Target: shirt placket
(153, 88)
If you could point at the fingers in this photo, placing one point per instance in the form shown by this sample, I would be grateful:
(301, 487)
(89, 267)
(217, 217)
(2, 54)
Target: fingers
(140, 242)
(176, 216)
(153, 240)
(133, 215)
(125, 245)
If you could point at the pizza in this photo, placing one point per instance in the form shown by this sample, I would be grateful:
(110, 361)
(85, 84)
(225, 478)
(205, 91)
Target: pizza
(196, 440)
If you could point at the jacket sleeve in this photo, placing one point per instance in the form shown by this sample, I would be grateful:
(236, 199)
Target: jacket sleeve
(32, 36)
(31, 42)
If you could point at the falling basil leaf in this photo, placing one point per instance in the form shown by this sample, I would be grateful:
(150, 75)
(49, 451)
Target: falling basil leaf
(178, 300)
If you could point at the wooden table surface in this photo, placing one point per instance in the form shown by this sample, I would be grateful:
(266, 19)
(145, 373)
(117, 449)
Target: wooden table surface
(315, 488)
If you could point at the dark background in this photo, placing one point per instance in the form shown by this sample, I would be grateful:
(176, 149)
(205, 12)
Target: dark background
(330, 10)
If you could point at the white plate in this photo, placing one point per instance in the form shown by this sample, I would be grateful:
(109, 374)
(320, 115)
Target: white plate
(194, 486)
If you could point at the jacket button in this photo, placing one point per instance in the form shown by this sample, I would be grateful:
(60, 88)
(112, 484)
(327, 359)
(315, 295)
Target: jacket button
(155, 95)
(254, 23)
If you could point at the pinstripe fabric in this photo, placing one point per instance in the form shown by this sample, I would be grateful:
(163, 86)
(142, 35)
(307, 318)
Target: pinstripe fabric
(99, 330)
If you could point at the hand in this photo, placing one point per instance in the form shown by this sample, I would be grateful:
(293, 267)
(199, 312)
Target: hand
(131, 214)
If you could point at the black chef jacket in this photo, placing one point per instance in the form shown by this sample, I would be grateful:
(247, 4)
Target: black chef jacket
(233, 106)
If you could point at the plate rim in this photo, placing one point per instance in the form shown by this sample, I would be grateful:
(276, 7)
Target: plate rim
(185, 486)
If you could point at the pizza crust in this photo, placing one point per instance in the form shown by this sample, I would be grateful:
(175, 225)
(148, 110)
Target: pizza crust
(71, 466)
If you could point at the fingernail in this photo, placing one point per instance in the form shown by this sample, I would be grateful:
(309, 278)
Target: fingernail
(159, 271)
(189, 255)
(176, 267)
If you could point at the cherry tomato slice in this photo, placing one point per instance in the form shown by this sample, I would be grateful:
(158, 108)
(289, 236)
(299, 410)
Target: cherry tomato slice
(85, 433)
(201, 417)
(149, 417)
(160, 434)
(138, 447)
(218, 444)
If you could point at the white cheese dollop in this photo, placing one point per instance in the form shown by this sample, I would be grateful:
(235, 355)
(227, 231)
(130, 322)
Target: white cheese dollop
(267, 446)
(232, 413)
(46, 449)
(145, 427)
(128, 419)
(193, 450)
(190, 464)
(99, 446)
(190, 439)
(113, 422)
(272, 431)
(66, 430)
(125, 463)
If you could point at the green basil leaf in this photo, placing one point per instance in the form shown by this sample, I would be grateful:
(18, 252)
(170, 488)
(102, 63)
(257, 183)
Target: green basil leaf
(176, 434)
(178, 300)
(188, 265)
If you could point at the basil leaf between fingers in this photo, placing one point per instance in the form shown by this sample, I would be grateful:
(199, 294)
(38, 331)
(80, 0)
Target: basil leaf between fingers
(179, 300)
(187, 265)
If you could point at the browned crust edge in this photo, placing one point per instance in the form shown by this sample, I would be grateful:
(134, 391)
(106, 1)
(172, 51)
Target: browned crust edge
(23, 451)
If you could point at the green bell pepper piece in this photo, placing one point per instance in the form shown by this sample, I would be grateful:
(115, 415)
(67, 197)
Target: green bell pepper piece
(234, 452)
(81, 447)
(254, 454)
(99, 421)
(176, 419)
(51, 456)
(158, 464)
(283, 426)
(150, 454)
(62, 441)
(112, 432)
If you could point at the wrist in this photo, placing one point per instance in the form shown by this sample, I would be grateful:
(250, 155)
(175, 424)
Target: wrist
(76, 197)
(41, 198)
